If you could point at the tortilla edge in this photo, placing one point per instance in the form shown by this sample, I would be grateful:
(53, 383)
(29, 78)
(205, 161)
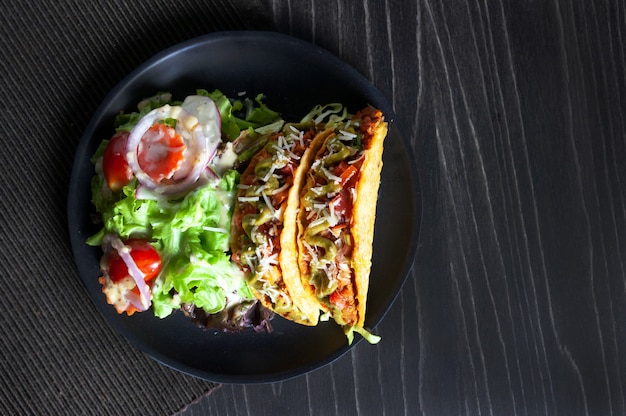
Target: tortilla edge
(364, 217)
(362, 228)
(289, 243)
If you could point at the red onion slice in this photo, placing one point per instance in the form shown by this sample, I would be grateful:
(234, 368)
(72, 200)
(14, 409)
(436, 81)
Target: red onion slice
(135, 300)
(211, 174)
(199, 124)
(133, 271)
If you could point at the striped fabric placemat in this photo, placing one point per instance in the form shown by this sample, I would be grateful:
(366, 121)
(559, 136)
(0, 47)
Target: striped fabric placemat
(58, 61)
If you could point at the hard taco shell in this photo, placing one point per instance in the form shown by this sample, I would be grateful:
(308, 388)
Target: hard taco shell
(361, 224)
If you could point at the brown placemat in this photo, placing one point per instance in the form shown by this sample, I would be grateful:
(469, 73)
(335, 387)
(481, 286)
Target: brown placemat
(58, 60)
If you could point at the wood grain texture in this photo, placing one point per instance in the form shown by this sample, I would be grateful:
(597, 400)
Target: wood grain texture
(517, 301)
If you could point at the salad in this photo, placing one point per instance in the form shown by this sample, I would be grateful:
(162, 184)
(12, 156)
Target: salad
(164, 189)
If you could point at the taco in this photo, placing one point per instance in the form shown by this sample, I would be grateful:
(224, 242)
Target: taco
(264, 226)
(336, 218)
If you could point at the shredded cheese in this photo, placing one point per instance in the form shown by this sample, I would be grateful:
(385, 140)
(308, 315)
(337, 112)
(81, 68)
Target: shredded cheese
(317, 190)
(281, 142)
(216, 229)
(301, 138)
(292, 155)
(330, 176)
(353, 194)
(269, 203)
(260, 189)
(270, 172)
(346, 135)
(317, 222)
(359, 158)
(279, 190)
(333, 215)
(250, 262)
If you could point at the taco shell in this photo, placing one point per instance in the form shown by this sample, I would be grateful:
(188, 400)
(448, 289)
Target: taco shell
(338, 206)
(263, 244)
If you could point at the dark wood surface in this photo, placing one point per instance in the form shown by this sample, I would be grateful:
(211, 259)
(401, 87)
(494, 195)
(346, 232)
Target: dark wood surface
(516, 304)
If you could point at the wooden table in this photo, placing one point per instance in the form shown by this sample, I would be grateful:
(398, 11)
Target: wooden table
(516, 304)
(516, 112)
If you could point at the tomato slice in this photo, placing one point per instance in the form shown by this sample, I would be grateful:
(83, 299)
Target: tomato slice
(116, 170)
(161, 152)
(348, 174)
(342, 205)
(345, 171)
(340, 168)
(145, 256)
(337, 299)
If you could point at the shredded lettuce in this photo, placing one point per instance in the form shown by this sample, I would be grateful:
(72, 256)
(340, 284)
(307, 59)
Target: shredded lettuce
(190, 232)
(126, 121)
(258, 113)
(368, 336)
(240, 115)
(192, 236)
(194, 240)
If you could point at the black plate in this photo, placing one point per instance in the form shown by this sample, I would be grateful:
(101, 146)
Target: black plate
(295, 76)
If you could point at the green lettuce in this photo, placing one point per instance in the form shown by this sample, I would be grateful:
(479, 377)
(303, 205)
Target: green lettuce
(191, 232)
(236, 115)
(240, 115)
(192, 236)
(227, 108)
(126, 121)
(195, 241)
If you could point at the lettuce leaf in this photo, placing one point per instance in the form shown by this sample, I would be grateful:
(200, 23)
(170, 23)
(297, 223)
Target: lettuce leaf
(259, 114)
(240, 115)
(126, 121)
(190, 233)
(192, 236)
(195, 242)
(226, 107)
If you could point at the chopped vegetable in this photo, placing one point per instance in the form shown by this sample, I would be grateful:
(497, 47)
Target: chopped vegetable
(116, 170)
(164, 188)
(161, 152)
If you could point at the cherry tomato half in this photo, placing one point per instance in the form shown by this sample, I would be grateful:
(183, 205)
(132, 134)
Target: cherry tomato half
(145, 256)
(117, 172)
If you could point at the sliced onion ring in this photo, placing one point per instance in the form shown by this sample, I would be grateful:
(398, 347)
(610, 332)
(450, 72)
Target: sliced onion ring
(205, 148)
(135, 300)
(133, 270)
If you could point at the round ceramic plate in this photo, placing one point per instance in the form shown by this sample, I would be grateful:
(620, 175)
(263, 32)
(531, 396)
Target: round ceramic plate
(294, 76)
